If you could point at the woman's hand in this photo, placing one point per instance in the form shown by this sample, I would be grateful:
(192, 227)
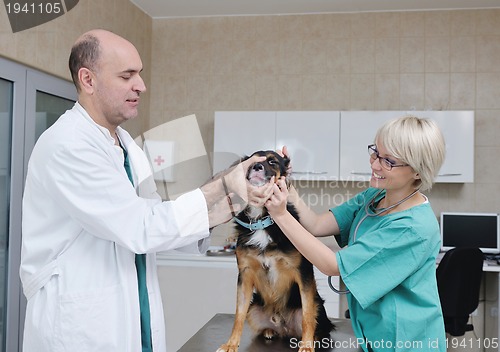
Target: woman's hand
(284, 153)
(258, 195)
(276, 204)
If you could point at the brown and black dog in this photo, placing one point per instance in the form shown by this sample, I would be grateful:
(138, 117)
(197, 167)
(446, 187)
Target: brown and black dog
(276, 291)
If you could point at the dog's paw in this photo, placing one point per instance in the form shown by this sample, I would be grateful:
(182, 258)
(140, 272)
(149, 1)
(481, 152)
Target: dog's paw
(306, 349)
(306, 346)
(227, 348)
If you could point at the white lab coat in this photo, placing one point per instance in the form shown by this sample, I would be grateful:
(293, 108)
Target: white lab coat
(82, 225)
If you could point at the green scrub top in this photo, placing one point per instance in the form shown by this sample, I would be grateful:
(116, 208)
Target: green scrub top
(390, 271)
(140, 265)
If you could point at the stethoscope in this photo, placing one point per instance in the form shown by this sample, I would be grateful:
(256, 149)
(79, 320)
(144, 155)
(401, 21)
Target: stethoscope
(370, 211)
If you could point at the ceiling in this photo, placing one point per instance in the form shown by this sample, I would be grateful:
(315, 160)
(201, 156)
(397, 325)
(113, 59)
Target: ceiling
(201, 8)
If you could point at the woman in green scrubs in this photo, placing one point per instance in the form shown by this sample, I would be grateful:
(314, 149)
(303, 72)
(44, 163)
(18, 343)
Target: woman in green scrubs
(389, 237)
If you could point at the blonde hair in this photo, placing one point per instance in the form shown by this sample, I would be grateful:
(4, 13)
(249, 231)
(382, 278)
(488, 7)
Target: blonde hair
(417, 142)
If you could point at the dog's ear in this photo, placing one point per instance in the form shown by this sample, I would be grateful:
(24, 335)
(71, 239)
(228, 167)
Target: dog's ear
(287, 172)
(286, 162)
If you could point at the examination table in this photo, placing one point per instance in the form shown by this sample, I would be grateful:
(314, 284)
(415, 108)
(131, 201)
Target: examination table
(217, 331)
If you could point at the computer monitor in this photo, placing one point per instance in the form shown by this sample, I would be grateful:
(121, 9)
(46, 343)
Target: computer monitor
(470, 230)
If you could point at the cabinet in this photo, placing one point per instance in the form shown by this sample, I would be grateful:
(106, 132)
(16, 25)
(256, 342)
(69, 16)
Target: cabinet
(194, 289)
(456, 126)
(332, 299)
(312, 138)
(458, 131)
(357, 130)
(332, 145)
(240, 133)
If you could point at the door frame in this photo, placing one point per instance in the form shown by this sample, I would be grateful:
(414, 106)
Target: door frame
(17, 75)
(26, 82)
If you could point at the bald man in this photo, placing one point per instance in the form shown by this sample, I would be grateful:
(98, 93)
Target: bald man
(93, 221)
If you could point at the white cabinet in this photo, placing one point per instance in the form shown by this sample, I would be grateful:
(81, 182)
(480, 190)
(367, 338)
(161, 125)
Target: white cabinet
(312, 138)
(193, 290)
(358, 129)
(458, 132)
(332, 305)
(240, 133)
(332, 145)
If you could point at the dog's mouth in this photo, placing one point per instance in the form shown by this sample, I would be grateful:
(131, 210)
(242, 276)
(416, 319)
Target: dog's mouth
(257, 178)
(261, 173)
(257, 175)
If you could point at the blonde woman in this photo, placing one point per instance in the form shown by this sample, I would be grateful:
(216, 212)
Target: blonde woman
(389, 237)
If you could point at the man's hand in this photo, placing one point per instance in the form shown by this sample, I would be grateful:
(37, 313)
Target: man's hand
(236, 178)
(258, 195)
(228, 193)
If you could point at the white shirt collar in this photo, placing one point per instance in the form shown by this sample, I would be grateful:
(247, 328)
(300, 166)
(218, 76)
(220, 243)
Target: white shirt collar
(104, 130)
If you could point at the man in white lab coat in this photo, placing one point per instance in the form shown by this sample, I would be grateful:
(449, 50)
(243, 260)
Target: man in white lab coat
(85, 225)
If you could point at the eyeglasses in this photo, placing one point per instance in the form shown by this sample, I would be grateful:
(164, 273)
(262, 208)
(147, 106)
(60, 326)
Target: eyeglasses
(384, 162)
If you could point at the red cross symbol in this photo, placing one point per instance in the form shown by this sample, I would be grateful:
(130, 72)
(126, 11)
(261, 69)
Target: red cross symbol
(159, 160)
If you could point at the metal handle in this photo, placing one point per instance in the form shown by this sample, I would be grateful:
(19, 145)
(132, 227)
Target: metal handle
(451, 174)
(310, 172)
(361, 173)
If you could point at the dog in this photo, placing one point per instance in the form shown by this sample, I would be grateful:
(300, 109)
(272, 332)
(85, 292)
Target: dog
(276, 289)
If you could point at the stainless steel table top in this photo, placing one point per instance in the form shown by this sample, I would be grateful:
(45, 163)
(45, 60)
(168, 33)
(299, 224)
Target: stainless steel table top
(217, 331)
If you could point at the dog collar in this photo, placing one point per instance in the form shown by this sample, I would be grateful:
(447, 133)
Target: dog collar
(260, 224)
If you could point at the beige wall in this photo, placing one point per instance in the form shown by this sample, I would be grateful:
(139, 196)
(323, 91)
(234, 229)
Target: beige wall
(47, 47)
(368, 61)
(371, 61)
(440, 60)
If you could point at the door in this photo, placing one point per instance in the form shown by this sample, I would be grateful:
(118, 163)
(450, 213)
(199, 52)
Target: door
(12, 86)
(47, 98)
(6, 102)
(30, 101)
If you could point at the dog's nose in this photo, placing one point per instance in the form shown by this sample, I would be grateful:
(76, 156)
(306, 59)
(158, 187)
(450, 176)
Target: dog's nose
(258, 167)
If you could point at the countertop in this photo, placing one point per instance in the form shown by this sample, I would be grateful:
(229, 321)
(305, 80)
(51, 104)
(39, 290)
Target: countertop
(216, 332)
(174, 258)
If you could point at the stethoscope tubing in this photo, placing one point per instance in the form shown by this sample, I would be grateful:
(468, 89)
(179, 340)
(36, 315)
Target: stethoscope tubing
(368, 213)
